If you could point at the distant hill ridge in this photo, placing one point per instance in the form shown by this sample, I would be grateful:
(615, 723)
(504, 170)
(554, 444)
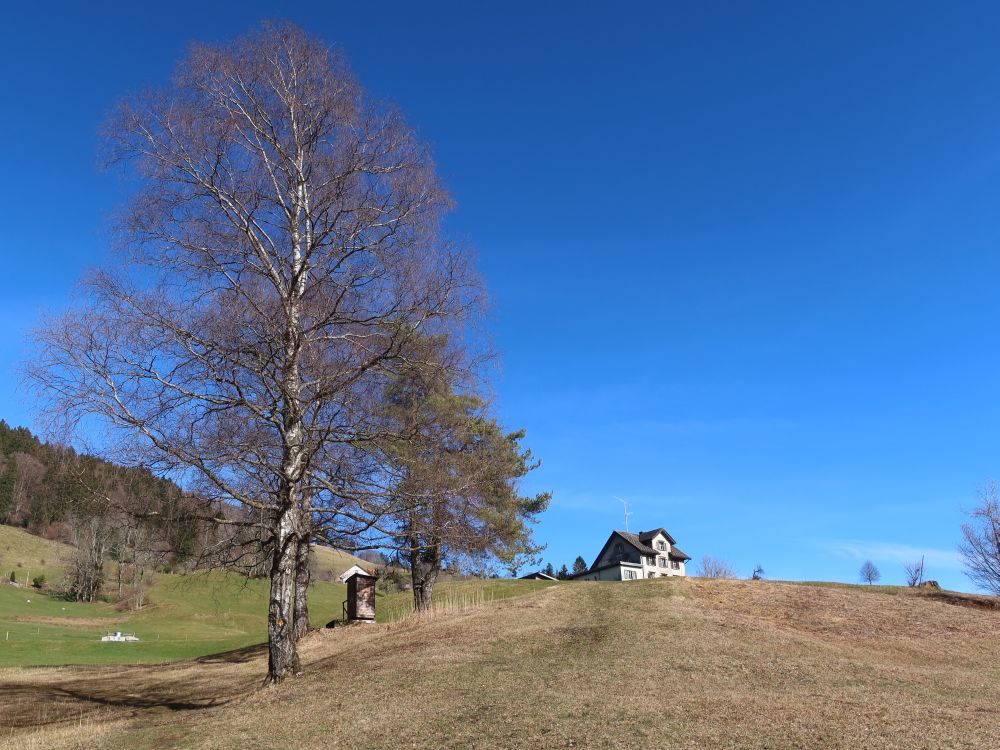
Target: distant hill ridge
(41, 484)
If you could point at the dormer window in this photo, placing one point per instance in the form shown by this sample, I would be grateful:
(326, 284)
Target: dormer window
(661, 545)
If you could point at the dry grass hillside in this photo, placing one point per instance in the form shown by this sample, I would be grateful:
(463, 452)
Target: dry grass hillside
(328, 563)
(675, 663)
(27, 556)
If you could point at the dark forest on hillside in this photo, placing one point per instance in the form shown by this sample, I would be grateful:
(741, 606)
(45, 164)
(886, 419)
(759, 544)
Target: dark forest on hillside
(108, 512)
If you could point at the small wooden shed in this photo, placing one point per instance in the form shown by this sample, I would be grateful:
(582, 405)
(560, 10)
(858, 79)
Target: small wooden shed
(361, 597)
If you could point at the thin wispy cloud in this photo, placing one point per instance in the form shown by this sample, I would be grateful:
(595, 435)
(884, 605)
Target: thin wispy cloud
(892, 552)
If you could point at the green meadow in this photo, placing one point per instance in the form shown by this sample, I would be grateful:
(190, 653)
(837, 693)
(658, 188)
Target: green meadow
(188, 616)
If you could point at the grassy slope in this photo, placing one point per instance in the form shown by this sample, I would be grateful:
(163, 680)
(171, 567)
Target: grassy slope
(683, 663)
(329, 562)
(28, 556)
(188, 617)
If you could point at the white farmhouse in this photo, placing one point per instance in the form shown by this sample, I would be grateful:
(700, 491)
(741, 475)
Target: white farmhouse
(628, 557)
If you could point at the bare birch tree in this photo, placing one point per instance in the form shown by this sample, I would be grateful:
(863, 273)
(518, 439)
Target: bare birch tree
(281, 249)
(980, 547)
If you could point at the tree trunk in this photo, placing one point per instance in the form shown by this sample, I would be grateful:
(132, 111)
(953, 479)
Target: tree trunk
(424, 568)
(302, 578)
(283, 658)
(423, 594)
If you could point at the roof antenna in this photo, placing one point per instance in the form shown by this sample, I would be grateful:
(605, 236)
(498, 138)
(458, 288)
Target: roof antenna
(627, 514)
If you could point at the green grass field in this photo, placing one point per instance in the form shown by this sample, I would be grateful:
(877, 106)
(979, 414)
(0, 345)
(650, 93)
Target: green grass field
(188, 616)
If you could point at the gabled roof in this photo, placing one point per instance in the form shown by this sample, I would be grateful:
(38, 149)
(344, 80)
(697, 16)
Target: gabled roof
(636, 541)
(539, 576)
(676, 553)
(647, 536)
(632, 539)
(353, 570)
(359, 574)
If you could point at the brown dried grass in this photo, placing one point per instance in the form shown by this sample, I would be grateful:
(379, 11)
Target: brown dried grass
(686, 663)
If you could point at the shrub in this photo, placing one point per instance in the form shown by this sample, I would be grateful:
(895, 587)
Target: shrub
(711, 567)
(914, 572)
(390, 581)
(38, 581)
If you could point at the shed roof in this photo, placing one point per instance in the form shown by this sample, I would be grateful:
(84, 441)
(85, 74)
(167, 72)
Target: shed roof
(359, 573)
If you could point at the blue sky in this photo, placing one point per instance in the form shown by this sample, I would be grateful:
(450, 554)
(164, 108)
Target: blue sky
(743, 255)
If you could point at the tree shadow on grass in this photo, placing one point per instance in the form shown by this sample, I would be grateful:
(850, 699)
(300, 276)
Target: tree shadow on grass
(973, 601)
(33, 705)
(235, 656)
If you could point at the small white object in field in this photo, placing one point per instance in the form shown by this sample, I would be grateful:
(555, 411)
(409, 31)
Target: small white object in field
(119, 636)
(28, 600)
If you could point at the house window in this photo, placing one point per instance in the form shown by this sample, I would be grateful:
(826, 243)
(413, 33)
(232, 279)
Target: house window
(661, 545)
(663, 562)
(652, 575)
(628, 575)
(619, 550)
(675, 565)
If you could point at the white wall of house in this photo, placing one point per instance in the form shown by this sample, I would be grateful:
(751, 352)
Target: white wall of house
(661, 564)
(622, 572)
